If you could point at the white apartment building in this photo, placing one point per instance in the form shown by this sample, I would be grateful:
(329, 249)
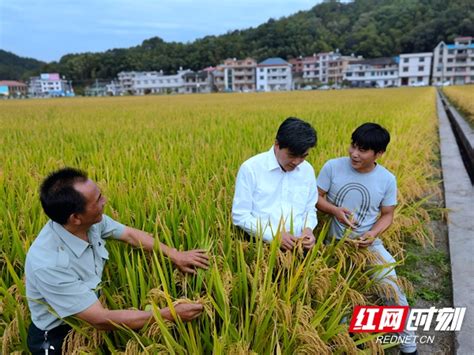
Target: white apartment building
(454, 63)
(49, 84)
(274, 74)
(152, 82)
(415, 69)
(378, 72)
(114, 88)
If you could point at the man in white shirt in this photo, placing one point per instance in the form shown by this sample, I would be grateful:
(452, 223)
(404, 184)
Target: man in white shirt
(276, 192)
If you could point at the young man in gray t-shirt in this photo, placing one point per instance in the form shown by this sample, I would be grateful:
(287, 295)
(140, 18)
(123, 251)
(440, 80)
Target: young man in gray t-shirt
(361, 196)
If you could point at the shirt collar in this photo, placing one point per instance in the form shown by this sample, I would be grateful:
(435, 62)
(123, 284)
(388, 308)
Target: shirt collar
(272, 162)
(76, 244)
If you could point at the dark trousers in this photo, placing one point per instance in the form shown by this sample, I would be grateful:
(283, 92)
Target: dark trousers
(40, 340)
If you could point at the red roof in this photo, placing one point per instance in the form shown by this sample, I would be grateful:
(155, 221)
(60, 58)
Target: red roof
(11, 83)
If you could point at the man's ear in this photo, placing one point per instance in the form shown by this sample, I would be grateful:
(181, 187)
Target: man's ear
(379, 154)
(74, 219)
(276, 144)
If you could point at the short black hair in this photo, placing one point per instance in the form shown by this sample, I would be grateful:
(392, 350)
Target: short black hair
(296, 135)
(58, 196)
(371, 136)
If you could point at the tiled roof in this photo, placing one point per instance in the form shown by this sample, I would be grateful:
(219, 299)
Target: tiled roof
(11, 83)
(273, 61)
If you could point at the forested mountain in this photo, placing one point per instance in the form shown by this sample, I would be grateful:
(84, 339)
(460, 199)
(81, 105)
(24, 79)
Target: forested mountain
(364, 27)
(13, 67)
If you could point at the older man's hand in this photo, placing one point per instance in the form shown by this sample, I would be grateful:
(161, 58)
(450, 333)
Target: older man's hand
(188, 261)
(185, 311)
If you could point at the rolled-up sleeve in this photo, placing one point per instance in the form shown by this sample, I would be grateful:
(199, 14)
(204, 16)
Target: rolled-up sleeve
(64, 292)
(110, 228)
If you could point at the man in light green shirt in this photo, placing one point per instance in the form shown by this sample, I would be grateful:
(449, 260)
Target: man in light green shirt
(65, 262)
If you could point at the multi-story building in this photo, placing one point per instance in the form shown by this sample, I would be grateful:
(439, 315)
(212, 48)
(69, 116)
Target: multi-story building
(297, 64)
(377, 72)
(12, 88)
(198, 82)
(218, 79)
(152, 82)
(415, 68)
(125, 82)
(337, 66)
(315, 68)
(114, 88)
(49, 84)
(454, 63)
(239, 75)
(99, 88)
(274, 74)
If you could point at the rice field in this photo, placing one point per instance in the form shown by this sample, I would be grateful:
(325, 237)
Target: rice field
(463, 98)
(168, 165)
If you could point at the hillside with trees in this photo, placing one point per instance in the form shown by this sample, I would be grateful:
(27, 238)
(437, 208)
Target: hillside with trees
(370, 28)
(13, 67)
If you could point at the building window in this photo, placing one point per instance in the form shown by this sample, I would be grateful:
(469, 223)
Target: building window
(451, 51)
(405, 60)
(449, 69)
(421, 68)
(450, 60)
(422, 59)
(262, 87)
(262, 77)
(420, 79)
(261, 70)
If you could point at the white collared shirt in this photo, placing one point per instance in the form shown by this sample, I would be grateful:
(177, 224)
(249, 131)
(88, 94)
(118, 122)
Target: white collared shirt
(268, 198)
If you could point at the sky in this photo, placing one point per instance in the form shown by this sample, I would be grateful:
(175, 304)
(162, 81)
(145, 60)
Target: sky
(48, 29)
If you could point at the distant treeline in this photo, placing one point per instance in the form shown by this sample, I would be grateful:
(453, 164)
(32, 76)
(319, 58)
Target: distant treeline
(371, 28)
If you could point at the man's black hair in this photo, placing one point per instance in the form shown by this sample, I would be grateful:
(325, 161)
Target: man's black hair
(296, 135)
(58, 196)
(371, 136)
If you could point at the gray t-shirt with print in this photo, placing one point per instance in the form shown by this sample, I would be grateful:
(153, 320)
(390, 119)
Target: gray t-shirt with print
(362, 193)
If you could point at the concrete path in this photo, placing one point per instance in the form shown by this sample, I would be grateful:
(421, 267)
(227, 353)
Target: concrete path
(459, 195)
